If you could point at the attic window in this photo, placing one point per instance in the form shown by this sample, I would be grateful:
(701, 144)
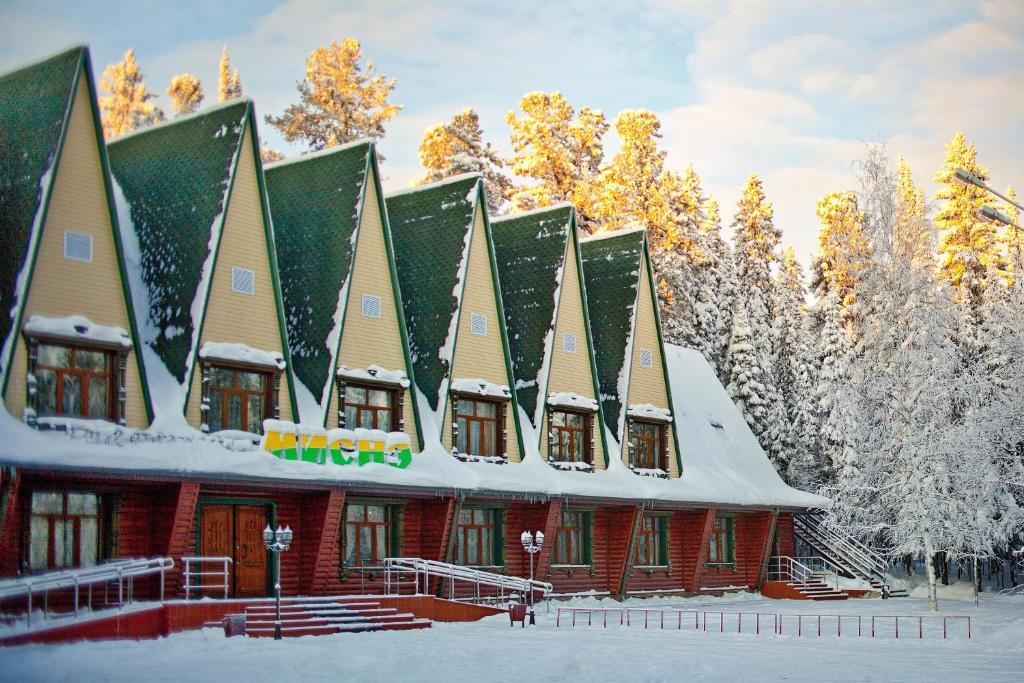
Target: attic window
(371, 306)
(569, 342)
(478, 324)
(77, 246)
(646, 358)
(243, 281)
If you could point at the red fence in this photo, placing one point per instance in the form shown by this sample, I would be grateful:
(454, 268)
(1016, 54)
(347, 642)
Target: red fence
(818, 624)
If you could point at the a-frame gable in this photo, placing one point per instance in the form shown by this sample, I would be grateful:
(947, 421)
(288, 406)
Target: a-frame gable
(481, 349)
(246, 243)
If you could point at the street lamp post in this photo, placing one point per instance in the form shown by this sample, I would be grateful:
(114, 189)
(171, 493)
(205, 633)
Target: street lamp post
(277, 542)
(965, 177)
(532, 548)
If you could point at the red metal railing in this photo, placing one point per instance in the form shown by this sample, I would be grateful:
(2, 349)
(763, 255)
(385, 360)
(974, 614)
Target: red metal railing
(704, 620)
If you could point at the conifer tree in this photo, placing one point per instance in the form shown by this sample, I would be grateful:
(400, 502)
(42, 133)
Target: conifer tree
(969, 253)
(269, 155)
(229, 85)
(339, 101)
(843, 248)
(912, 238)
(1014, 237)
(560, 150)
(790, 294)
(456, 147)
(128, 107)
(722, 274)
(186, 93)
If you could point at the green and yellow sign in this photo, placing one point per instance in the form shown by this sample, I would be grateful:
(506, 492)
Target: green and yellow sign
(337, 446)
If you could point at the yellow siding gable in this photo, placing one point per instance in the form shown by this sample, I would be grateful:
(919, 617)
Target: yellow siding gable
(241, 318)
(369, 341)
(480, 356)
(570, 371)
(647, 385)
(61, 287)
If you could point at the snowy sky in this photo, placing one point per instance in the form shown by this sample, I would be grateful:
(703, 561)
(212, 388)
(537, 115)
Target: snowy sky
(790, 89)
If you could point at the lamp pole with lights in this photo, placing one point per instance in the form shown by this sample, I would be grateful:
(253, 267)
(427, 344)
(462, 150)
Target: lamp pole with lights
(277, 542)
(532, 548)
(965, 177)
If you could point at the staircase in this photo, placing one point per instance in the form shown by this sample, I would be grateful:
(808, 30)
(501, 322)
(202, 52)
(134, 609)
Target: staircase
(810, 582)
(852, 558)
(324, 615)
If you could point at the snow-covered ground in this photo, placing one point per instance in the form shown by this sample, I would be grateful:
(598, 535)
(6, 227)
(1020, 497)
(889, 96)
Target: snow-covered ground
(489, 650)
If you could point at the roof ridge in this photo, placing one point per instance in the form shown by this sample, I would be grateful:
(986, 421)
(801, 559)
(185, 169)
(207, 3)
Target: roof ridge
(613, 233)
(24, 66)
(462, 177)
(320, 153)
(531, 212)
(163, 125)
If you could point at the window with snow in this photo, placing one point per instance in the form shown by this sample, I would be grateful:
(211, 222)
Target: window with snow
(646, 358)
(652, 542)
(243, 281)
(569, 342)
(478, 324)
(479, 537)
(370, 533)
(77, 246)
(238, 399)
(370, 407)
(478, 427)
(65, 529)
(572, 541)
(648, 449)
(371, 306)
(569, 437)
(721, 549)
(73, 381)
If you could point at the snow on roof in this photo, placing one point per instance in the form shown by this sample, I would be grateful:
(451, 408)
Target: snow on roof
(433, 186)
(614, 233)
(327, 151)
(541, 209)
(78, 327)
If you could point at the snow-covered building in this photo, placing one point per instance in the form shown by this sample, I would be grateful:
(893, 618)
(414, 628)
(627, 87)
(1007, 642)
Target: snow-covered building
(388, 376)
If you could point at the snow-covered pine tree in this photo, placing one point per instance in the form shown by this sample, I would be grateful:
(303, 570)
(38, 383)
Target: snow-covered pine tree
(128, 107)
(186, 93)
(1014, 236)
(229, 85)
(269, 155)
(559, 150)
(790, 359)
(808, 468)
(913, 238)
(339, 100)
(449, 149)
(833, 386)
(721, 276)
(844, 250)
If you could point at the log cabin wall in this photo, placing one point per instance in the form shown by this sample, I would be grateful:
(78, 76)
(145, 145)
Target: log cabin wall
(786, 541)
(750, 530)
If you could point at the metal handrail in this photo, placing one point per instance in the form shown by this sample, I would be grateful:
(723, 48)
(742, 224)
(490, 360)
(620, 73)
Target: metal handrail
(86, 577)
(859, 549)
(188, 574)
(785, 568)
(457, 572)
(857, 558)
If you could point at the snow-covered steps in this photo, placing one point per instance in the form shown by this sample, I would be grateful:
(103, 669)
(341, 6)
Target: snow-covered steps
(320, 616)
(818, 590)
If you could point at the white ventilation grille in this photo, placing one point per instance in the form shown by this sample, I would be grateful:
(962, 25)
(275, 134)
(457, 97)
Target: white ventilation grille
(77, 246)
(371, 306)
(646, 358)
(478, 324)
(569, 342)
(243, 281)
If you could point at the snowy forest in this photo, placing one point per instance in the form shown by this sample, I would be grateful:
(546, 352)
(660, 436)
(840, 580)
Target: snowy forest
(889, 378)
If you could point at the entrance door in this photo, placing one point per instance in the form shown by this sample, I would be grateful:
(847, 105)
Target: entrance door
(236, 531)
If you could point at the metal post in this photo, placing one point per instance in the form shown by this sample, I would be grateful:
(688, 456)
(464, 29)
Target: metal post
(277, 595)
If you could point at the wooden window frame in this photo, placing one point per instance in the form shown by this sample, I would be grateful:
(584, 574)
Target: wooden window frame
(555, 441)
(397, 402)
(660, 441)
(500, 431)
(106, 527)
(722, 537)
(583, 525)
(658, 551)
(117, 366)
(394, 515)
(496, 519)
(271, 408)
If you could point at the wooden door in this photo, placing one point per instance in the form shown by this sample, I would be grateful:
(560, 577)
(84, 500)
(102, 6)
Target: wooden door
(236, 531)
(250, 551)
(217, 539)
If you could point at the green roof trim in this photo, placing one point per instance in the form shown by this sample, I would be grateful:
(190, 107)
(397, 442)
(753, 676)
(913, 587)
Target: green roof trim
(35, 106)
(176, 178)
(431, 228)
(316, 204)
(531, 250)
(611, 268)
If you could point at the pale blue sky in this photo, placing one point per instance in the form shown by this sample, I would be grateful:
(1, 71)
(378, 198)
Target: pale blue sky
(791, 90)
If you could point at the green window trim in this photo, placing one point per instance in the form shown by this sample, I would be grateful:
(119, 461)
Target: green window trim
(497, 520)
(724, 530)
(663, 560)
(586, 526)
(394, 516)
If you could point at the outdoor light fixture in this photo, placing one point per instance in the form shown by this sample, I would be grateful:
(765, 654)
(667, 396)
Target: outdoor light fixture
(965, 177)
(277, 542)
(532, 548)
(987, 213)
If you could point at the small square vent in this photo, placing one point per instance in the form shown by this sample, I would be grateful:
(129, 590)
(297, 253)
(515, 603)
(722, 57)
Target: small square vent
(243, 281)
(478, 324)
(77, 246)
(569, 342)
(371, 306)
(646, 358)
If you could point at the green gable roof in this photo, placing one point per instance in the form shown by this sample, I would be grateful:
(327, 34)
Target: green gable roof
(315, 202)
(430, 227)
(174, 179)
(530, 250)
(35, 103)
(612, 268)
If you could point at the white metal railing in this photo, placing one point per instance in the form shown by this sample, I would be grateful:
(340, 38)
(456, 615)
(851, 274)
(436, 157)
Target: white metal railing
(124, 572)
(193, 569)
(853, 556)
(794, 570)
(425, 570)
